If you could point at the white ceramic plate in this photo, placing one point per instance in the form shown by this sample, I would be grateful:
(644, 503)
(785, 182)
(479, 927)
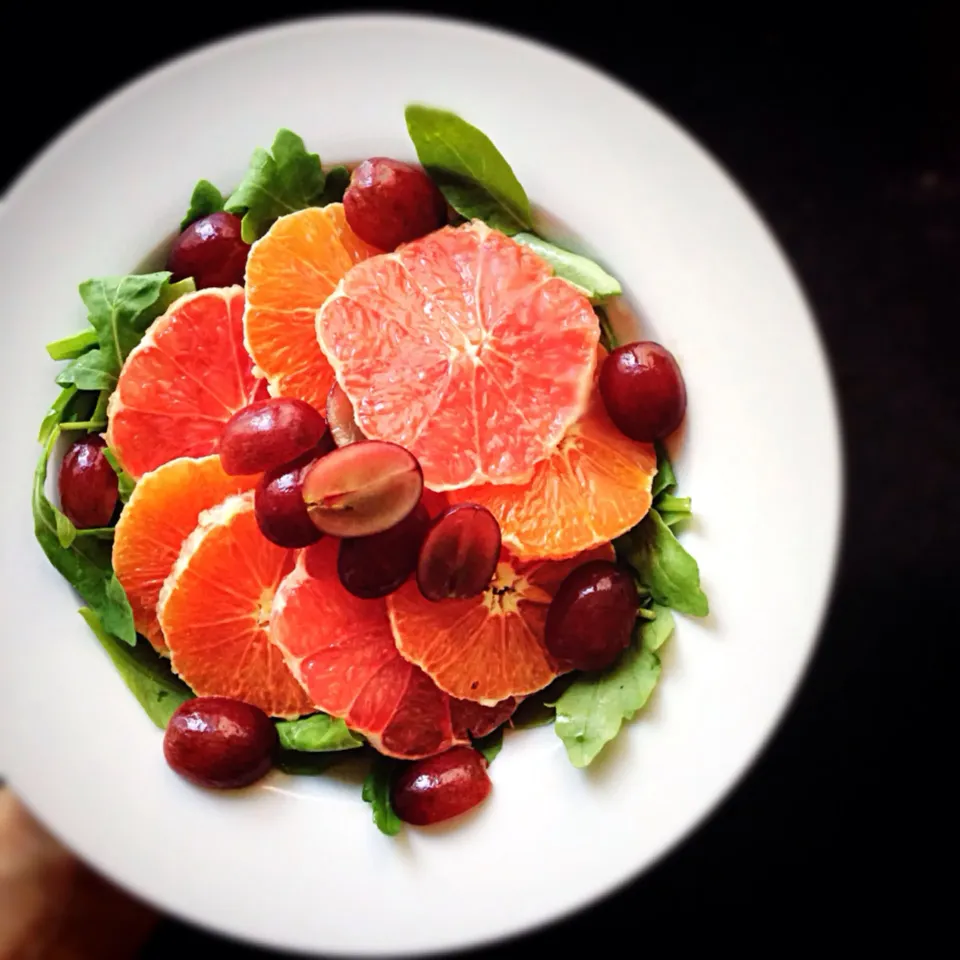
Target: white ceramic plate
(298, 863)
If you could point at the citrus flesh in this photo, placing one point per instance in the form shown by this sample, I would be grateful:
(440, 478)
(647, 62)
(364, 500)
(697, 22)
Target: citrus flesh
(594, 487)
(291, 271)
(342, 650)
(489, 647)
(214, 611)
(182, 382)
(465, 349)
(162, 512)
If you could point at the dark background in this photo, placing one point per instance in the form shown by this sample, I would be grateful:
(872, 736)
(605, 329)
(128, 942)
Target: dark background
(847, 137)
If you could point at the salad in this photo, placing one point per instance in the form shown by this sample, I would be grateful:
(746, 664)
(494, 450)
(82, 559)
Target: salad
(365, 471)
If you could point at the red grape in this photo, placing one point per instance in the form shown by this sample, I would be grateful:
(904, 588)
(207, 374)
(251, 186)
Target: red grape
(389, 203)
(219, 742)
(340, 418)
(441, 787)
(643, 390)
(362, 489)
(269, 433)
(211, 251)
(374, 566)
(592, 615)
(278, 501)
(460, 553)
(88, 484)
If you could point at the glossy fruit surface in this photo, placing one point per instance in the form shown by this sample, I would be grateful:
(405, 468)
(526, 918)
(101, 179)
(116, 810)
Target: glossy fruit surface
(211, 251)
(441, 787)
(459, 554)
(87, 484)
(219, 742)
(268, 434)
(278, 502)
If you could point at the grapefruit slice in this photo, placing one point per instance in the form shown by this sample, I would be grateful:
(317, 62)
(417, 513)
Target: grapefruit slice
(465, 349)
(182, 382)
(342, 651)
(291, 270)
(214, 610)
(163, 511)
(489, 647)
(594, 487)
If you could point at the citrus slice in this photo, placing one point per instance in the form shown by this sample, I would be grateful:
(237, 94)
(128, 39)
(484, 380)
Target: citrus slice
(594, 487)
(291, 270)
(489, 647)
(182, 382)
(162, 512)
(341, 649)
(214, 611)
(465, 349)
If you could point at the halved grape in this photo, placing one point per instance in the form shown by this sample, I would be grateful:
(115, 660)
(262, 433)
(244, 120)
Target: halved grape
(460, 553)
(278, 501)
(592, 615)
(390, 202)
(269, 433)
(211, 251)
(438, 788)
(219, 742)
(375, 566)
(87, 484)
(643, 390)
(340, 419)
(362, 489)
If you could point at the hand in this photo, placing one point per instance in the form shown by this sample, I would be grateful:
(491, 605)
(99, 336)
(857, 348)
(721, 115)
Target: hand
(52, 906)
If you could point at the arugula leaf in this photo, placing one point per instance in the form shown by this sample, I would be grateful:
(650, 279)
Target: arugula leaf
(92, 371)
(608, 339)
(582, 272)
(283, 180)
(57, 412)
(656, 632)
(169, 293)
(297, 763)
(125, 483)
(665, 479)
(539, 709)
(84, 563)
(204, 200)
(66, 531)
(469, 170)
(591, 712)
(317, 733)
(376, 792)
(146, 674)
(69, 348)
(338, 179)
(673, 509)
(663, 566)
(490, 745)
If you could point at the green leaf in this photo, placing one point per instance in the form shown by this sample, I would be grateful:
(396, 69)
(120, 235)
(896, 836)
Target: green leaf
(338, 179)
(608, 339)
(469, 170)
(69, 348)
(101, 533)
(655, 633)
(125, 483)
(169, 294)
(591, 712)
(56, 414)
(318, 733)
(114, 307)
(663, 566)
(296, 763)
(66, 531)
(590, 277)
(490, 745)
(146, 674)
(281, 181)
(673, 510)
(376, 792)
(204, 200)
(665, 479)
(85, 563)
(92, 371)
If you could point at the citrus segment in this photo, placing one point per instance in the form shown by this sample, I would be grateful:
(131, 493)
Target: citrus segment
(489, 647)
(162, 512)
(465, 349)
(182, 382)
(593, 488)
(291, 270)
(214, 610)
(341, 648)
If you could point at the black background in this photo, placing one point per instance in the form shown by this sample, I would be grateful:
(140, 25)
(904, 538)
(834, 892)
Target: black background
(846, 134)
